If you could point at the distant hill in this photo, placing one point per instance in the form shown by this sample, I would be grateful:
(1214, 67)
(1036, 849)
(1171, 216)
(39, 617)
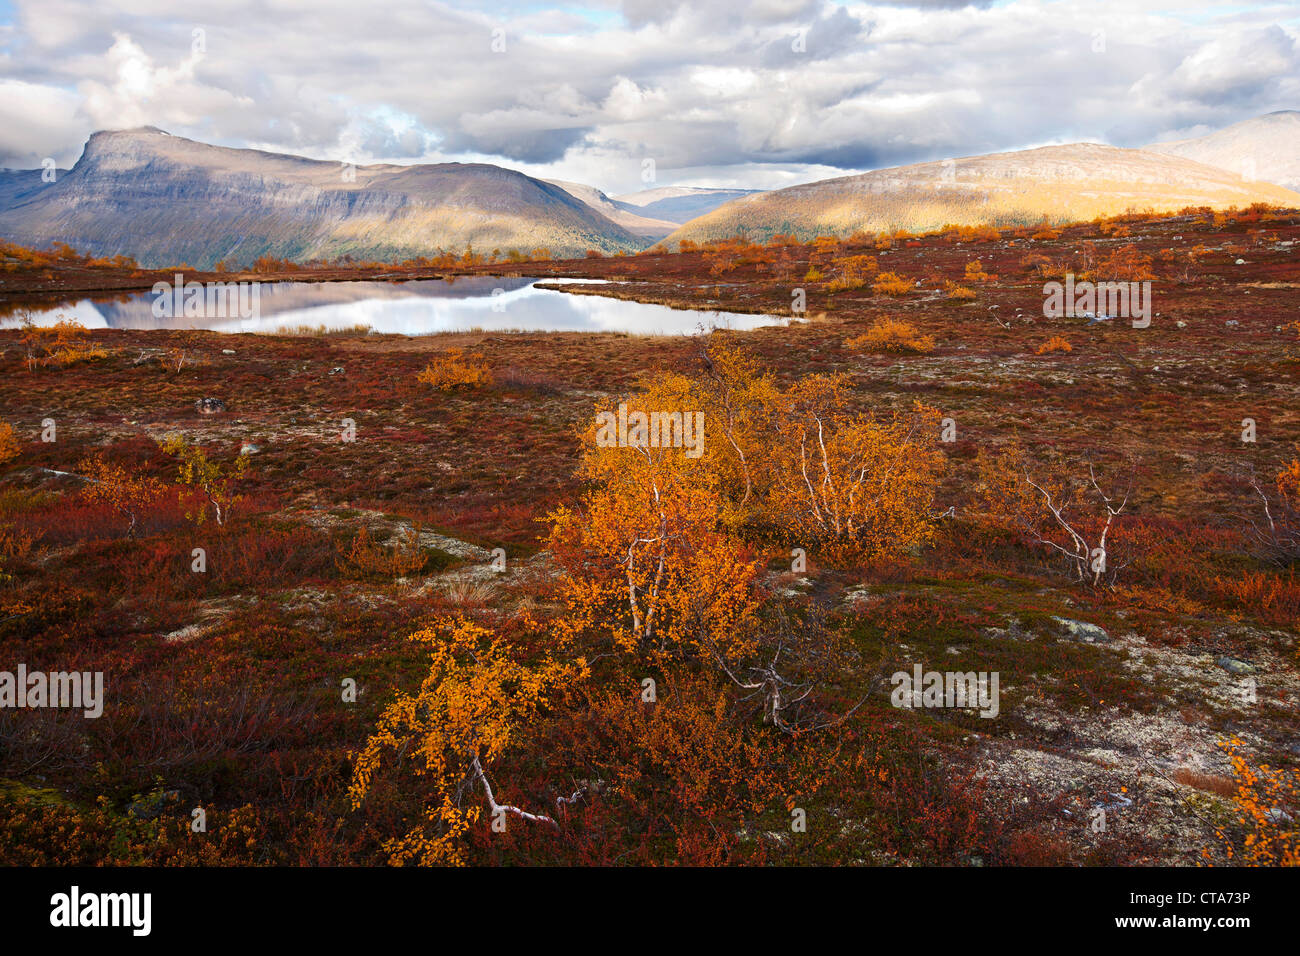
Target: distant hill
(1053, 184)
(679, 204)
(164, 199)
(1266, 147)
(624, 214)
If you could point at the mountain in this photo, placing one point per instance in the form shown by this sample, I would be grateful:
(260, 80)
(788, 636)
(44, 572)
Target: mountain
(1052, 183)
(679, 204)
(1266, 147)
(165, 200)
(17, 185)
(621, 213)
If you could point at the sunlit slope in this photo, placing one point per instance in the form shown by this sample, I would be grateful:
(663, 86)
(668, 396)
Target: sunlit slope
(1052, 184)
(1264, 147)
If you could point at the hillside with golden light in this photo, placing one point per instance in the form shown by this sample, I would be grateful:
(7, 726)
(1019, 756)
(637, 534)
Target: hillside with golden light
(1053, 184)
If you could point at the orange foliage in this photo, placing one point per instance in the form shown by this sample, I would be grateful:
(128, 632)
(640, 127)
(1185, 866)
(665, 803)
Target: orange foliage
(1266, 802)
(892, 335)
(855, 485)
(645, 562)
(454, 369)
(853, 272)
(1125, 264)
(119, 487)
(60, 344)
(1057, 343)
(9, 447)
(889, 283)
(369, 557)
(212, 484)
(478, 696)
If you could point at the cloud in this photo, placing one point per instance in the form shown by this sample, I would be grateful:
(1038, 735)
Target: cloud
(37, 122)
(704, 88)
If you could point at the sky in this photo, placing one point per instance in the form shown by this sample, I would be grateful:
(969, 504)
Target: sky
(640, 93)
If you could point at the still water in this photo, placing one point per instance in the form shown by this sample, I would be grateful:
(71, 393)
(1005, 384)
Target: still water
(420, 307)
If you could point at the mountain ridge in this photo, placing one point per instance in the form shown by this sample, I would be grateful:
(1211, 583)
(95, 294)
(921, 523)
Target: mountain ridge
(165, 199)
(1263, 147)
(1051, 184)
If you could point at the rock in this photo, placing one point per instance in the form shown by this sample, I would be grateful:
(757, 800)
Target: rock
(227, 351)
(209, 406)
(248, 448)
(1181, 324)
(795, 588)
(859, 594)
(336, 371)
(1241, 262)
(1083, 631)
(184, 634)
(1232, 323)
(1234, 666)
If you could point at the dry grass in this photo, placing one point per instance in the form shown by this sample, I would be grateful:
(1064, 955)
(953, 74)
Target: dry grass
(1210, 783)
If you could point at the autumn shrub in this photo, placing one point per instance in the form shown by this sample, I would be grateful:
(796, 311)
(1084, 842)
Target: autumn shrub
(454, 369)
(891, 284)
(958, 293)
(1125, 264)
(120, 487)
(212, 484)
(479, 696)
(1057, 343)
(401, 558)
(1277, 531)
(59, 345)
(856, 485)
(891, 335)
(1073, 517)
(1266, 804)
(644, 558)
(9, 447)
(38, 828)
(852, 272)
(663, 685)
(750, 478)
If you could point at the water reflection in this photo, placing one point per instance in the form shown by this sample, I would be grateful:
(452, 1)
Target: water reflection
(420, 307)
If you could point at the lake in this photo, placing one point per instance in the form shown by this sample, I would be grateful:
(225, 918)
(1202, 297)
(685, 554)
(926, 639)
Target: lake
(418, 307)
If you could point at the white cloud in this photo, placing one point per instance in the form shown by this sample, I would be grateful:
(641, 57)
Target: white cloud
(707, 90)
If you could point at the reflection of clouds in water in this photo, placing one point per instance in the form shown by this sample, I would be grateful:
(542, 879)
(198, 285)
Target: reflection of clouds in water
(421, 308)
(85, 313)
